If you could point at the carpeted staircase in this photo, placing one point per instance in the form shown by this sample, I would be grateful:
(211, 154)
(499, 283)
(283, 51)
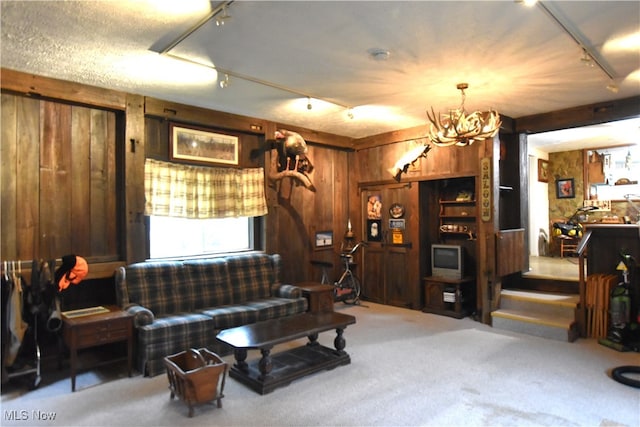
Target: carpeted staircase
(543, 314)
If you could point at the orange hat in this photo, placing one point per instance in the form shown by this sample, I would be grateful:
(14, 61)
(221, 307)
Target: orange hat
(72, 271)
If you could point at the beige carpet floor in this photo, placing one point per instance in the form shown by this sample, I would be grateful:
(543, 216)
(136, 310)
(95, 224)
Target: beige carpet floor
(408, 369)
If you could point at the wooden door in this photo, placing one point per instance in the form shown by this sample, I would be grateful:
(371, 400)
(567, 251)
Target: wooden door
(373, 283)
(398, 289)
(391, 268)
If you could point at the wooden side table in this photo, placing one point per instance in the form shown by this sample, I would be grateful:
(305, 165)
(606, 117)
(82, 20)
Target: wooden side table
(320, 296)
(93, 330)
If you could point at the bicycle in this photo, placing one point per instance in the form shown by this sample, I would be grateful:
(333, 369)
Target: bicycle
(347, 288)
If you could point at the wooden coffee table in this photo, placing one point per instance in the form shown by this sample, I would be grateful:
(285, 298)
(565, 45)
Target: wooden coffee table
(272, 371)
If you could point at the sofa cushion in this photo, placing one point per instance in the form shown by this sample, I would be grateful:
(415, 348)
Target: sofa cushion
(175, 328)
(158, 286)
(210, 283)
(231, 316)
(251, 276)
(272, 308)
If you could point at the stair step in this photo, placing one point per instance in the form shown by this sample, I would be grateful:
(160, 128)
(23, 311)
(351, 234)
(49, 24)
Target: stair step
(540, 304)
(543, 314)
(565, 300)
(542, 325)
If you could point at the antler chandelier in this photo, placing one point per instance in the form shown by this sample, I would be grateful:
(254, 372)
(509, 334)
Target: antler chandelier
(460, 128)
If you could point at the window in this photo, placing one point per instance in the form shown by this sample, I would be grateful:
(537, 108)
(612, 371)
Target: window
(181, 237)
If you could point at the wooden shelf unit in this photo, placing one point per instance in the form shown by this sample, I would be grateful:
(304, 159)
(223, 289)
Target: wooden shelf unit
(458, 219)
(449, 297)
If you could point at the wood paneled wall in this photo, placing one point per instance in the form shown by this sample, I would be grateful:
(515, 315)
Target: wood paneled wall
(61, 166)
(373, 164)
(59, 180)
(296, 214)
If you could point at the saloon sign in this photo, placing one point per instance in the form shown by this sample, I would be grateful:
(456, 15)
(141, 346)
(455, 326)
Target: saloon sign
(485, 189)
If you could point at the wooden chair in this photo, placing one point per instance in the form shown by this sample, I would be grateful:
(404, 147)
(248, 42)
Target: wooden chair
(567, 244)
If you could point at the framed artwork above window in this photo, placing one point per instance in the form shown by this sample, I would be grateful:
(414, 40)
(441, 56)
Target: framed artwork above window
(202, 145)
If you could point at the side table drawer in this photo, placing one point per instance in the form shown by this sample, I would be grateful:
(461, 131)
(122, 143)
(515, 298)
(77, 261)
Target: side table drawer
(102, 333)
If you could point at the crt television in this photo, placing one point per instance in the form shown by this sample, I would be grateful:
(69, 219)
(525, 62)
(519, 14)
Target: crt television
(447, 261)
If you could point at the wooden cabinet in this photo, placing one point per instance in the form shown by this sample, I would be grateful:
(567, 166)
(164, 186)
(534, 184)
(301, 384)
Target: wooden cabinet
(448, 297)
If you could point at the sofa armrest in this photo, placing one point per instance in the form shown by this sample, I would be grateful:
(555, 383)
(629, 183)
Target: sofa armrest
(141, 315)
(286, 291)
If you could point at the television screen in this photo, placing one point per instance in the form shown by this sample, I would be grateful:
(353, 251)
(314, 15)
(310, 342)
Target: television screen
(447, 261)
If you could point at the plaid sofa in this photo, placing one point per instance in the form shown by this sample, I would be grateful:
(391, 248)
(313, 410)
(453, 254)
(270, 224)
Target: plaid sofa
(179, 305)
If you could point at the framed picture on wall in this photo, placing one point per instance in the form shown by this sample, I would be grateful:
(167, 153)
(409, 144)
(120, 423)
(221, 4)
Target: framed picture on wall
(565, 188)
(543, 170)
(202, 146)
(324, 239)
(374, 230)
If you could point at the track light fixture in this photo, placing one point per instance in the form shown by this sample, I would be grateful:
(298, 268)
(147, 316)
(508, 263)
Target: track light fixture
(460, 128)
(586, 59)
(224, 83)
(222, 17)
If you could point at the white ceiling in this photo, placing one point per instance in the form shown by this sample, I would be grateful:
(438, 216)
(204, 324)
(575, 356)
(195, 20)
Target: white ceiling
(516, 59)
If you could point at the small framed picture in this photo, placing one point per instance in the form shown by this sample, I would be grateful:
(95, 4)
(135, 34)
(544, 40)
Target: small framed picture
(543, 170)
(374, 230)
(324, 239)
(565, 188)
(396, 224)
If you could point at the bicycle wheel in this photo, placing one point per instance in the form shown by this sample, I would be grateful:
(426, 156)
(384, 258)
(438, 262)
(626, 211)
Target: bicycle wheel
(353, 283)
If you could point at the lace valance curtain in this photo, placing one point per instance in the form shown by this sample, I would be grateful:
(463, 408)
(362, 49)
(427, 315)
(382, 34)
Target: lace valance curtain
(186, 191)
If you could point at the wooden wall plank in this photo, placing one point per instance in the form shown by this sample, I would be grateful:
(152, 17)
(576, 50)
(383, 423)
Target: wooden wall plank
(111, 202)
(28, 181)
(81, 180)
(134, 228)
(99, 174)
(55, 177)
(8, 177)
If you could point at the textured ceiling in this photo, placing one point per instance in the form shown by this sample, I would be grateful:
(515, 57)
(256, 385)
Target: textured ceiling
(516, 59)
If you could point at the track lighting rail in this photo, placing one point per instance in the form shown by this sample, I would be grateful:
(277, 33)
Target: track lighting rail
(586, 49)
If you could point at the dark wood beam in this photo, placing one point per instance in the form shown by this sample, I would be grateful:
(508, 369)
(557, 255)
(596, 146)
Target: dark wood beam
(48, 88)
(584, 115)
